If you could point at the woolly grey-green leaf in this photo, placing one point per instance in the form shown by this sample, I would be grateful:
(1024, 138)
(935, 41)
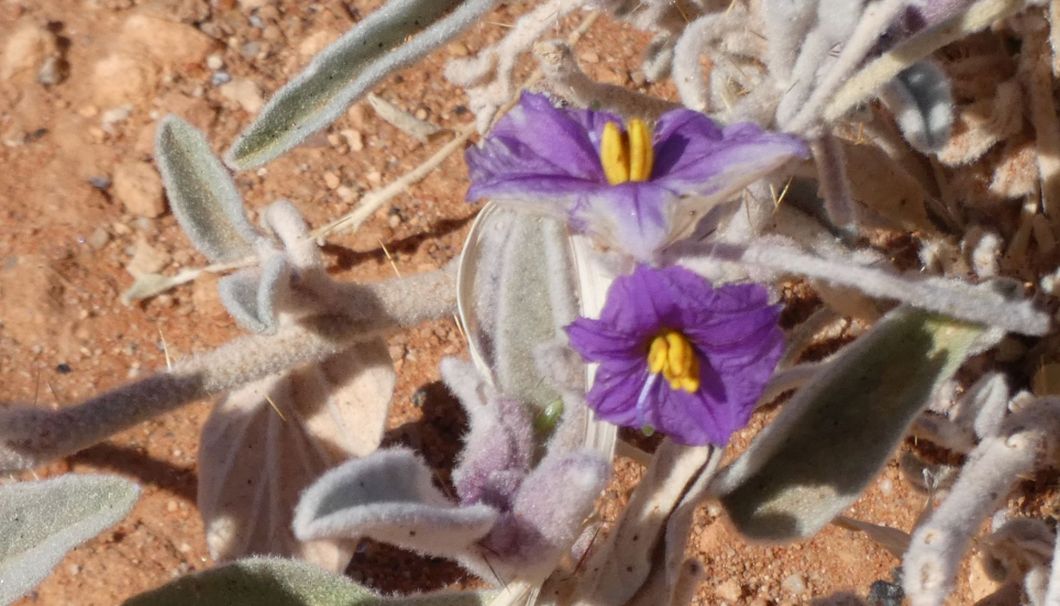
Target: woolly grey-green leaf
(251, 295)
(41, 521)
(201, 193)
(922, 103)
(818, 455)
(390, 39)
(535, 300)
(280, 582)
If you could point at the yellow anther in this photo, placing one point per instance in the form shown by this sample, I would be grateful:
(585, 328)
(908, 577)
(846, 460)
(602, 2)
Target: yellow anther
(614, 154)
(658, 355)
(671, 354)
(641, 155)
(626, 156)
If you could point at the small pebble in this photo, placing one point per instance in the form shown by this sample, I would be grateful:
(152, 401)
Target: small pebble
(795, 584)
(331, 180)
(729, 590)
(215, 61)
(220, 77)
(98, 239)
(419, 397)
(99, 182)
(63, 368)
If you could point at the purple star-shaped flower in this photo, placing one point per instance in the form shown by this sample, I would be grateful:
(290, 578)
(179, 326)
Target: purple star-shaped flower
(679, 355)
(551, 157)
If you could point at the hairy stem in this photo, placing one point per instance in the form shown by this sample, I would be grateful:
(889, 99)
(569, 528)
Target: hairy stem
(884, 68)
(33, 436)
(994, 466)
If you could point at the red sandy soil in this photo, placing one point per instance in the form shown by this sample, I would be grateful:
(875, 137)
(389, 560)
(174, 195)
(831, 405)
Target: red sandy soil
(67, 238)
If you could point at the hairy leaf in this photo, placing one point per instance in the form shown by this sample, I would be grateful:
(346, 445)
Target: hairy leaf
(251, 295)
(201, 193)
(280, 582)
(41, 521)
(922, 103)
(995, 303)
(536, 300)
(390, 497)
(818, 455)
(390, 39)
(266, 442)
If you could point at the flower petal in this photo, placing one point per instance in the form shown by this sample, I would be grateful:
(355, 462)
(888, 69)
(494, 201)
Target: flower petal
(539, 138)
(733, 330)
(693, 155)
(633, 216)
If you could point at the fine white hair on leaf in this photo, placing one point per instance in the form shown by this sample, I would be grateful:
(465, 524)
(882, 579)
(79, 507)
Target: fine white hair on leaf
(990, 304)
(1027, 440)
(390, 497)
(31, 436)
(201, 193)
(984, 405)
(498, 61)
(1052, 592)
(254, 296)
(859, 86)
(786, 24)
(786, 485)
(858, 31)
(658, 58)
(487, 78)
(392, 37)
(283, 218)
(983, 249)
(830, 160)
(567, 80)
(922, 103)
(703, 33)
(44, 520)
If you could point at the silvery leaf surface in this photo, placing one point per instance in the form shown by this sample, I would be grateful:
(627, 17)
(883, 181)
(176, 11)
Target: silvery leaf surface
(265, 443)
(390, 497)
(202, 194)
(536, 300)
(281, 582)
(41, 521)
(252, 295)
(831, 439)
(921, 100)
(389, 39)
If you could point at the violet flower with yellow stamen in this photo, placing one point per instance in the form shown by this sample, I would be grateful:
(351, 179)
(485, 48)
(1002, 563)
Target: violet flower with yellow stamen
(631, 185)
(678, 355)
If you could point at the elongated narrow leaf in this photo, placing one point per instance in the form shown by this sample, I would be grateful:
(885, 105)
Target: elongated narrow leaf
(818, 455)
(390, 39)
(268, 441)
(201, 193)
(280, 582)
(41, 521)
(536, 300)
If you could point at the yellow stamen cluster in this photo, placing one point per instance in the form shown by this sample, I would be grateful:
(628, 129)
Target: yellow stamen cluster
(626, 156)
(671, 354)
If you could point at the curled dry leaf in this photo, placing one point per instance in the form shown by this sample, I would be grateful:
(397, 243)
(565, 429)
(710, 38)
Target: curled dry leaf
(264, 443)
(883, 187)
(982, 124)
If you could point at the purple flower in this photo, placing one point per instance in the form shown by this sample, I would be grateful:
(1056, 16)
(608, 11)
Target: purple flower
(678, 355)
(625, 186)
